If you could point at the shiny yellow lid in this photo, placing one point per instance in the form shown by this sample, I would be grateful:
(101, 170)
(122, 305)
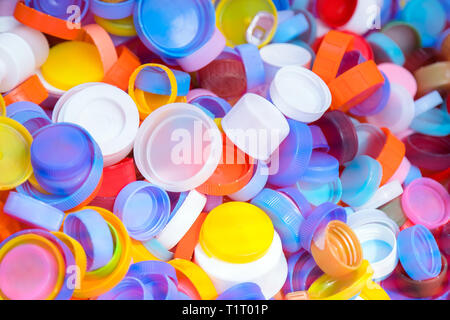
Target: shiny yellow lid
(236, 232)
(15, 158)
(373, 291)
(233, 18)
(71, 63)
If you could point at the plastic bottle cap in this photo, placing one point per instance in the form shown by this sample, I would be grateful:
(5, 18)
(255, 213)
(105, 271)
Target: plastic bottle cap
(121, 71)
(109, 115)
(155, 248)
(336, 249)
(204, 55)
(399, 75)
(293, 155)
(350, 60)
(71, 63)
(233, 172)
(143, 208)
(15, 142)
(419, 253)
(364, 17)
(119, 27)
(404, 34)
(257, 24)
(242, 291)
(225, 227)
(186, 246)
(269, 272)
(290, 28)
(383, 195)
(31, 90)
(154, 80)
(33, 212)
(254, 186)
(177, 174)
(300, 94)
(364, 217)
(128, 289)
(253, 65)
(431, 153)
(302, 271)
(58, 9)
(399, 111)
(243, 122)
(360, 180)
(197, 93)
(278, 55)
(340, 134)
(317, 194)
(385, 49)
(30, 270)
(112, 10)
(435, 76)
(322, 169)
(182, 220)
(426, 202)
(217, 106)
(402, 171)
(174, 40)
(336, 13)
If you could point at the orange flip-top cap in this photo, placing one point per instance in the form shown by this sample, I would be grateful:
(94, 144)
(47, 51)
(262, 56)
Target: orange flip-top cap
(119, 74)
(232, 174)
(105, 46)
(355, 85)
(330, 54)
(339, 252)
(45, 23)
(31, 90)
(185, 248)
(391, 155)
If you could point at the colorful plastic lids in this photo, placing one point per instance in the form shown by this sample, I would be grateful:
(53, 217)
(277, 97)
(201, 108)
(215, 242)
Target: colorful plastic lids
(15, 157)
(179, 166)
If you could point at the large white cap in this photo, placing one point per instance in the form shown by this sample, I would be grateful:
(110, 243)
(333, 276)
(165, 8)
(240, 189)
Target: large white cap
(108, 114)
(255, 126)
(300, 94)
(37, 41)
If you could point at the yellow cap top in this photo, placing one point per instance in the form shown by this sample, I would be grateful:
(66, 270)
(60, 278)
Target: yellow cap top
(236, 232)
(72, 63)
(233, 17)
(15, 158)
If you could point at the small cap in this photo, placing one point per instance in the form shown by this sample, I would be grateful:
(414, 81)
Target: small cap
(15, 164)
(112, 10)
(170, 169)
(116, 177)
(58, 9)
(254, 186)
(154, 80)
(236, 232)
(426, 202)
(419, 253)
(428, 152)
(31, 90)
(291, 28)
(317, 194)
(322, 168)
(385, 49)
(128, 289)
(360, 180)
(253, 65)
(217, 106)
(170, 40)
(143, 208)
(404, 34)
(300, 94)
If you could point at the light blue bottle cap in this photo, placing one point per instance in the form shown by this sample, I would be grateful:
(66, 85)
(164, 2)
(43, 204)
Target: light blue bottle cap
(155, 80)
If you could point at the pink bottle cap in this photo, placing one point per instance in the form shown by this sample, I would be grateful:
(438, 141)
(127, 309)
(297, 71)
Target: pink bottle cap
(28, 272)
(426, 202)
(398, 74)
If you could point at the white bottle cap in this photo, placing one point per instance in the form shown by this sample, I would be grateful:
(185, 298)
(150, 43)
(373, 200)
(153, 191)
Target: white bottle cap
(109, 115)
(255, 126)
(383, 195)
(178, 147)
(37, 42)
(300, 94)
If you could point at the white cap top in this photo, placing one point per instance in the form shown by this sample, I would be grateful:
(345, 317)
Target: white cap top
(178, 147)
(383, 195)
(109, 115)
(398, 113)
(255, 126)
(8, 23)
(269, 271)
(278, 55)
(300, 94)
(37, 42)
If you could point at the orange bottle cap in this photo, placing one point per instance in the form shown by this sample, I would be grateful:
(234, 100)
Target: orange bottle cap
(119, 74)
(391, 155)
(31, 90)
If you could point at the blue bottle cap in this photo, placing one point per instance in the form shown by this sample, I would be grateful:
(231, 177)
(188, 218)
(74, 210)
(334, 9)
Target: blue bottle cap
(253, 65)
(291, 28)
(322, 168)
(146, 268)
(318, 194)
(319, 219)
(30, 115)
(154, 22)
(143, 208)
(302, 272)
(294, 155)
(320, 142)
(310, 35)
(92, 231)
(33, 212)
(285, 216)
(419, 253)
(299, 199)
(61, 156)
(242, 291)
(158, 250)
(217, 106)
(360, 180)
(385, 49)
(112, 10)
(155, 80)
(58, 8)
(281, 4)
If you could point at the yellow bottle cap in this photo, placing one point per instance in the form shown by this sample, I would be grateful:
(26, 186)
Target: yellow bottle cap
(71, 63)
(234, 17)
(373, 291)
(15, 158)
(236, 232)
(345, 288)
(120, 27)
